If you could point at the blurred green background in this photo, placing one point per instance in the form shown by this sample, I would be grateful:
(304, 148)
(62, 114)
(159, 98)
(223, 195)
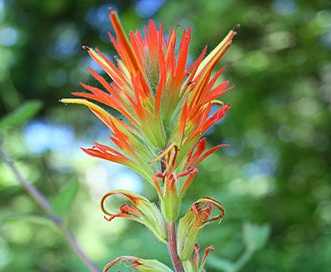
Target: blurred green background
(277, 170)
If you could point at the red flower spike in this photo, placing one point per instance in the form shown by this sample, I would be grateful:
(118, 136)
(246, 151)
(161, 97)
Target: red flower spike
(163, 102)
(166, 108)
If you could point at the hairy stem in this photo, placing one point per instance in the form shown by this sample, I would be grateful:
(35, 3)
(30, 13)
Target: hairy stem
(172, 246)
(42, 201)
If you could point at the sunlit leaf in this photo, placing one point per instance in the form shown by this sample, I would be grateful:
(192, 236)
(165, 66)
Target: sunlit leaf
(143, 265)
(63, 201)
(220, 264)
(255, 236)
(23, 113)
(27, 218)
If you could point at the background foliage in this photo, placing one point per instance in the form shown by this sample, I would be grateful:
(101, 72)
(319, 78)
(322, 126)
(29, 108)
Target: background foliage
(276, 172)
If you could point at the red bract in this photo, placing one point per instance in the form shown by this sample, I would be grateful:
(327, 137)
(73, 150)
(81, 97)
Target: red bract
(165, 108)
(162, 101)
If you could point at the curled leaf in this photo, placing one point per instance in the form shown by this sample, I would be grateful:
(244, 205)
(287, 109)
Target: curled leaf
(142, 265)
(138, 209)
(23, 113)
(190, 226)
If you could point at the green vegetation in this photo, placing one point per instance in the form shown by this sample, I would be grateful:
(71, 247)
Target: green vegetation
(276, 172)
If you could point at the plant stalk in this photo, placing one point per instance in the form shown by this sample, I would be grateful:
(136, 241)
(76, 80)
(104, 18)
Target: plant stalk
(46, 206)
(172, 247)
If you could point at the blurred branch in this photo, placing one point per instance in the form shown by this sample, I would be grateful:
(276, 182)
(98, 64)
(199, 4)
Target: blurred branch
(241, 261)
(255, 238)
(43, 202)
(228, 266)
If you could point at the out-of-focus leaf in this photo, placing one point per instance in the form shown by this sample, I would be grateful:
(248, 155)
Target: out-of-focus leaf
(26, 111)
(30, 218)
(63, 201)
(255, 236)
(220, 264)
(139, 264)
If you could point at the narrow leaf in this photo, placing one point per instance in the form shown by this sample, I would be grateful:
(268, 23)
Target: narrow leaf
(255, 236)
(27, 218)
(63, 201)
(26, 111)
(220, 263)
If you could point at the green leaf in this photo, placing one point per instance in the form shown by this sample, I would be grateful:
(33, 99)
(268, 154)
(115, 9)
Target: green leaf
(255, 236)
(26, 111)
(29, 218)
(63, 201)
(143, 265)
(220, 263)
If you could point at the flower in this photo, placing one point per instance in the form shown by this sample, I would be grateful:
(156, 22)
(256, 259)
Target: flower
(143, 265)
(162, 102)
(194, 264)
(190, 225)
(138, 209)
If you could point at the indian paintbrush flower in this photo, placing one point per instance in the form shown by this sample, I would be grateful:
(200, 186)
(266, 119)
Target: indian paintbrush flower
(165, 108)
(161, 100)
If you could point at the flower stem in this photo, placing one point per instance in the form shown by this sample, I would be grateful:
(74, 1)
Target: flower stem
(46, 206)
(172, 246)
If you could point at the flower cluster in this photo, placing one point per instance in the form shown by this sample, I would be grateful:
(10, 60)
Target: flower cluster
(165, 109)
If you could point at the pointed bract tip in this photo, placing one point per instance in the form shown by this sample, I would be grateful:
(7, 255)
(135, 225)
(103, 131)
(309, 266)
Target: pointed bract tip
(113, 14)
(235, 27)
(62, 100)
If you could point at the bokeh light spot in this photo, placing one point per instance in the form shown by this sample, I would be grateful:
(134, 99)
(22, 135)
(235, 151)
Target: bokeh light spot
(8, 36)
(41, 136)
(146, 8)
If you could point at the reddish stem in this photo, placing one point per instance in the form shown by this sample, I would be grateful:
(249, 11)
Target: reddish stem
(172, 246)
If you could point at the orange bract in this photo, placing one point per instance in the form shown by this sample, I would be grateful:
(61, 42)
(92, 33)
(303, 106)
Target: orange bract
(163, 102)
